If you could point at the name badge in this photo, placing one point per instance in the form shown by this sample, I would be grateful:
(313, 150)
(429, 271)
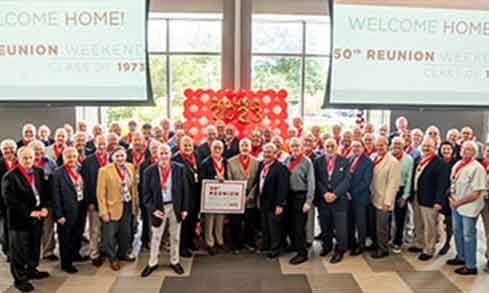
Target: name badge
(126, 195)
(196, 178)
(38, 197)
(79, 195)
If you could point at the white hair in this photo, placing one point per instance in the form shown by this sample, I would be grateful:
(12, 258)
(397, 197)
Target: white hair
(22, 150)
(217, 142)
(68, 150)
(270, 145)
(37, 143)
(164, 146)
(45, 127)
(8, 142)
(473, 145)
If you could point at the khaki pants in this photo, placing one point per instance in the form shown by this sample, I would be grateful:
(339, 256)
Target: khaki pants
(48, 243)
(95, 233)
(485, 220)
(430, 224)
(157, 234)
(418, 224)
(214, 225)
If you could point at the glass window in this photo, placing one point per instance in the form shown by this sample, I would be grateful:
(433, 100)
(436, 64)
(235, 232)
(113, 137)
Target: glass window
(277, 72)
(146, 114)
(195, 36)
(195, 71)
(277, 37)
(157, 35)
(318, 38)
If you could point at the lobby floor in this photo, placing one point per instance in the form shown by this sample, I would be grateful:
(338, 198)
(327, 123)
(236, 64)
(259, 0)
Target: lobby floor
(250, 273)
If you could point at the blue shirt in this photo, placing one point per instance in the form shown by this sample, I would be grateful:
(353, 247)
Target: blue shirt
(166, 193)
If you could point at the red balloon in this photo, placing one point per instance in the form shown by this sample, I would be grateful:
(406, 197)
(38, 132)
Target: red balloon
(188, 92)
(282, 94)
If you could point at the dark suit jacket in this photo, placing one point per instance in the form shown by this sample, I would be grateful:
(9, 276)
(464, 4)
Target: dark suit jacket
(3, 171)
(233, 149)
(194, 186)
(275, 188)
(361, 179)
(203, 151)
(153, 197)
(20, 199)
(89, 172)
(65, 203)
(130, 159)
(208, 171)
(433, 183)
(340, 181)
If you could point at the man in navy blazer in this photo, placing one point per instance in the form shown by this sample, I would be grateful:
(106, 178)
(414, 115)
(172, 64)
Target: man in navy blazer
(332, 173)
(361, 169)
(165, 195)
(272, 191)
(68, 204)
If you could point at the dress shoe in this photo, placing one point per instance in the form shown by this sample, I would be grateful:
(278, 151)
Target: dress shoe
(98, 262)
(336, 258)
(415, 249)
(379, 254)
(424, 257)
(37, 275)
(325, 251)
(357, 251)
(51, 257)
(128, 259)
(212, 251)
(177, 268)
(148, 270)
(308, 244)
(186, 253)
(70, 270)
(396, 249)
(24, 287)
(115, 266)
(455, 262)
(298, 259)
(466, 271)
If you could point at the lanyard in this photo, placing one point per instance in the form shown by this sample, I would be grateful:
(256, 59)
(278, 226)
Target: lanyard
(245, 163)
(101, 161)
(218, 167)
(10, 165)
(294, 163)
(354, 164)
(73, 175)
(165, 173)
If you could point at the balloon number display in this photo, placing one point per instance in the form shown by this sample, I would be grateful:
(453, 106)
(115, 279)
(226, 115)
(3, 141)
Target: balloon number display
(245, 109)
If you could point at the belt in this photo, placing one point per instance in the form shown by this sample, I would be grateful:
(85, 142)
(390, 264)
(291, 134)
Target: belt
(167, 202)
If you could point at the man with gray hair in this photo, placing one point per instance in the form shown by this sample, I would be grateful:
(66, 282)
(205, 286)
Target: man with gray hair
(204, 149)
(28, 135)
(271, 194)
(24, 190)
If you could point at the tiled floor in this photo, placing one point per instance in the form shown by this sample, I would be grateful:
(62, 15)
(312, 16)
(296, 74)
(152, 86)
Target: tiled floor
(250, 273)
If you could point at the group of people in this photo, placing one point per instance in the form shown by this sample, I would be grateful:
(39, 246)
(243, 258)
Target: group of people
(371, 191)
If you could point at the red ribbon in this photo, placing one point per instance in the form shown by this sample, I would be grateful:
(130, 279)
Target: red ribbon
(460, 166)
(218, 167)
(189, 158)
(378, 159)
(165, 173)
(426, 160)
(245, 163)
(354, 163)
(11, 165)
(330, 165)
(102, 161)
(137, 159)
(58, 150)
(29, 178)
(294, 163)
(73, 175)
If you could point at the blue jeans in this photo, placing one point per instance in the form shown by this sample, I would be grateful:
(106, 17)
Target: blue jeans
(465, 232)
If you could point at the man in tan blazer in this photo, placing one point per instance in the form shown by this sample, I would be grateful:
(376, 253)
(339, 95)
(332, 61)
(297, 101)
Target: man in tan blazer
(243, 167)
(117, 201)
(386, 181)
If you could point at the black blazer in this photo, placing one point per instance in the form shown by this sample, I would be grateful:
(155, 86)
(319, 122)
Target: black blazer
(361, 179)
(275, 187)
(339, 183)
(20, 200)
(194, 186)
(233, 149)
(130, 159)
(208, 171)
(89, 173)
(203, 152)
(65, 203)
(433, 183)
(3, 171)
(153, 197)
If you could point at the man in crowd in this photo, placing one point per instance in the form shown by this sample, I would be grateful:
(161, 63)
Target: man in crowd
(166, 198)
(28, 135)
(8, 162)
(204, 150)
(332, 173)
(24, 191)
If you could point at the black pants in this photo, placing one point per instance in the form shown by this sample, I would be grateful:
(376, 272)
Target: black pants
(334, 221)
(272, 231)
(4, 235)
(400, 219)
(25, 251)
(188, 230)
(371, 220)
(297, 222)
(236, 225)
(116, 235)
(145, 237)
(251, 226)
(70, 236)
(357, 223)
